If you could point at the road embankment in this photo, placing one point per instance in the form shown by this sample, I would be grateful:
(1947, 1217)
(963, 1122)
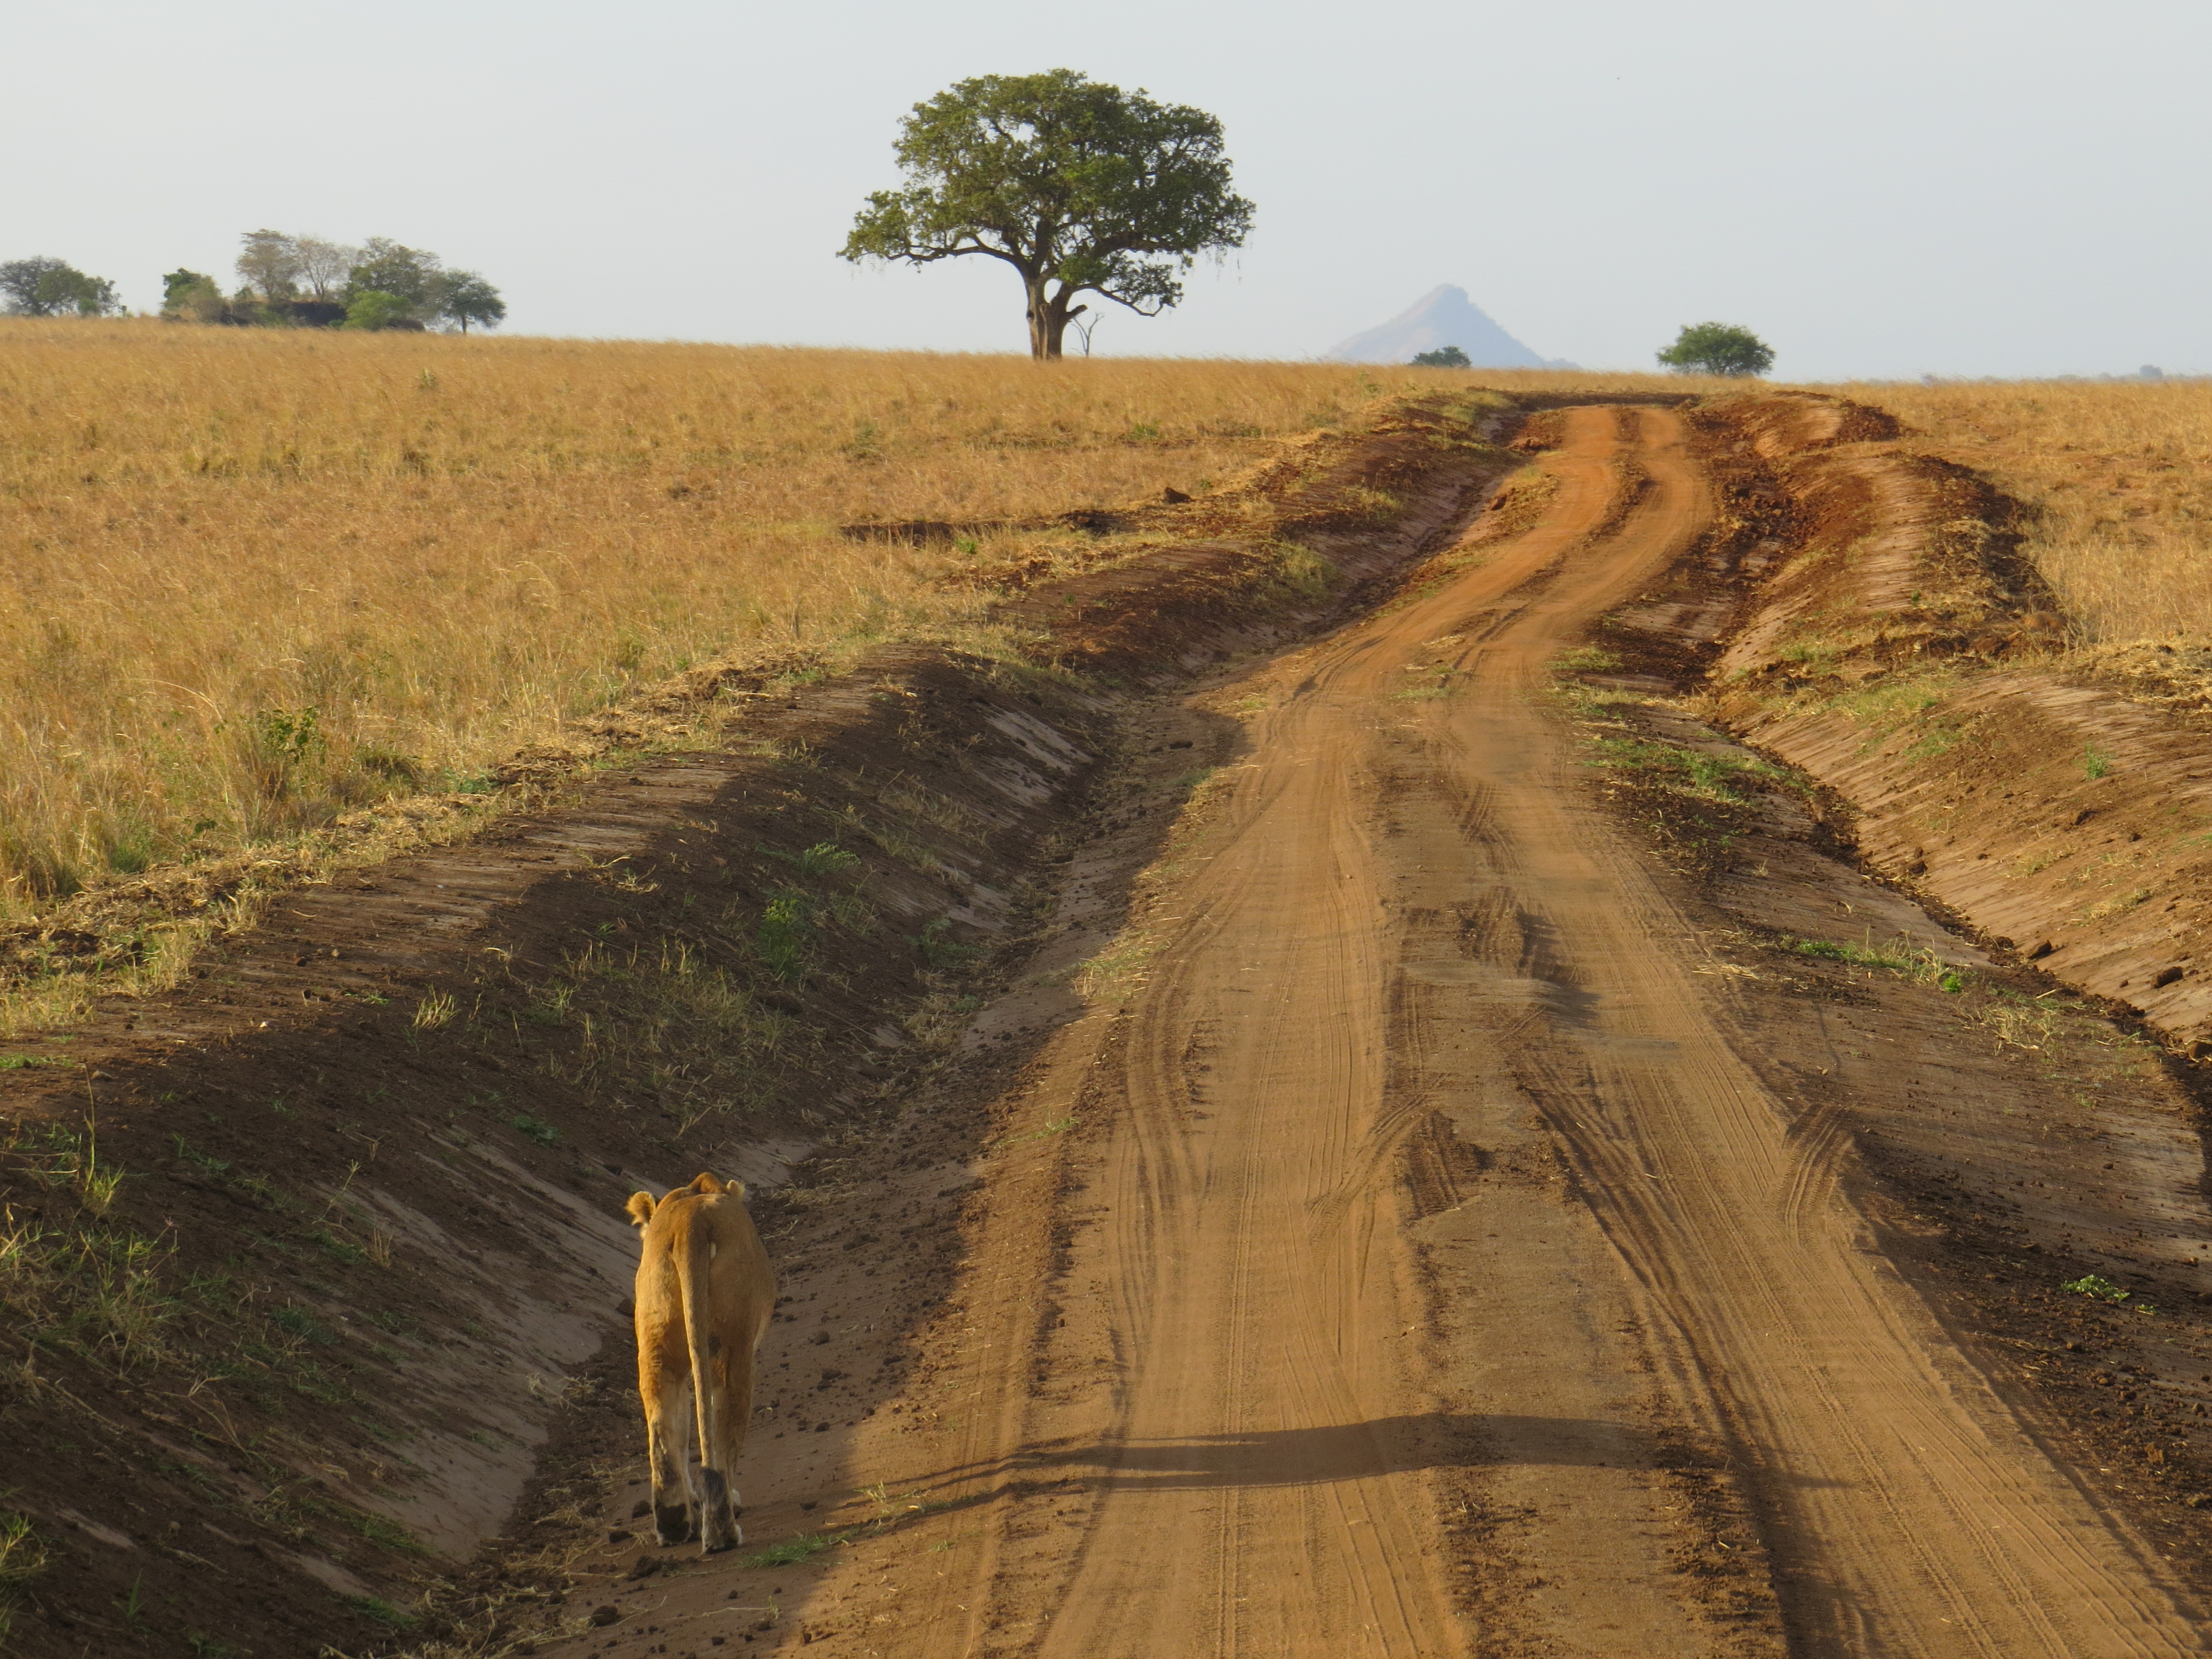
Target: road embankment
(1887, 639)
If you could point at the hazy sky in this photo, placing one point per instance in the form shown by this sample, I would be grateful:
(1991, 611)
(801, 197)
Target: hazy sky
(1946, 186)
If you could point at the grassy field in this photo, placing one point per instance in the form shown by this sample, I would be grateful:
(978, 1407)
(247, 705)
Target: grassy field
(2120, 474)
(251, 579)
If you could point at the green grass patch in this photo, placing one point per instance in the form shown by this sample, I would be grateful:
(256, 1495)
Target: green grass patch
(939, 949)
(1937, 741)
(1888, 705)
(1815, 656)
(1299, 574)
(1122, 962)
(824, 858)
(1429, 693)
(1858, 956)
(2089, 1285)
(1585, 659)
(298, 1322)
(387, 1534)
(1729, 779)
(781, 939)
(792, 1551)
(376, 1607)
(2103, 1290)
(1899, 957)
(22, 1551)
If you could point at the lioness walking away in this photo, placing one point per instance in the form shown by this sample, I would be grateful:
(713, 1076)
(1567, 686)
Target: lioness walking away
(704, 1295)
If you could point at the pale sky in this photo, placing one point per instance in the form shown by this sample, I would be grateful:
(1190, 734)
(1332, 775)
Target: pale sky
(1962, 187)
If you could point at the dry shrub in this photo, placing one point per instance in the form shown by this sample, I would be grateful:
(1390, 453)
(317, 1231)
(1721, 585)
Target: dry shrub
(2119, 474)
(250, 578)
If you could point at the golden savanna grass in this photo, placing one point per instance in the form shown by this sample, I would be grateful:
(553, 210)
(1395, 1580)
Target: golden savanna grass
(249, 579)
(2119, 475)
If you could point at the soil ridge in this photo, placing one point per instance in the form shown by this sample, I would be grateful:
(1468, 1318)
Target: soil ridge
(1888, 639)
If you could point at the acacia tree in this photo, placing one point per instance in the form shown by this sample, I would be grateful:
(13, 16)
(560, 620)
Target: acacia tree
(1718, 348)
(45, 287)
(464, 297)
(1081, 187)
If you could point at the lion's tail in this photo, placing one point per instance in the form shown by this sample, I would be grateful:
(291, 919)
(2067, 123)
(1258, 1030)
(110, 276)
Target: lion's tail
(692, 1268)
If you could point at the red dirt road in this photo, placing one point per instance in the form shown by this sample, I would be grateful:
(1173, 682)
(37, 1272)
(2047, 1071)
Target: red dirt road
(1405, 1255)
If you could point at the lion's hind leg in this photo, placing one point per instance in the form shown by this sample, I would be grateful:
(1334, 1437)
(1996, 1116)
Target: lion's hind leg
(718, 1457)
(668, 1430)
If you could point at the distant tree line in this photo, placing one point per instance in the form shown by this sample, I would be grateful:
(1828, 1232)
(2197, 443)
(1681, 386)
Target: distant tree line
(305, 282)
(286, 282)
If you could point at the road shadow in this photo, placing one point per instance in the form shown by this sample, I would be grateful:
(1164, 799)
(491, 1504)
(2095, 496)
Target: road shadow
(1315, 1456)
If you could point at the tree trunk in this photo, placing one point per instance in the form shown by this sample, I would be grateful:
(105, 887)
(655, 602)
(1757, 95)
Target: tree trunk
(1048, 315)
(1045, 328)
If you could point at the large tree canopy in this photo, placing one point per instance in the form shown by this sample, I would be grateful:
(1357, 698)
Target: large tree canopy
(1080, 187)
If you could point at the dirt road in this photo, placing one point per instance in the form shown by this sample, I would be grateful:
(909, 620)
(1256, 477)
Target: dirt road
(1618, 1370)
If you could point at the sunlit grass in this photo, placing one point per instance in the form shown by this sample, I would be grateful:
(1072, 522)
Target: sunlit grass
(2119, 475)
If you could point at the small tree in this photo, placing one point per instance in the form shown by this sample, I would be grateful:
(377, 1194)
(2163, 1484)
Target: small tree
(374, 309)
(462, 297)
(191, 296)
(1718, 348)
(324, 265)
(408, 274)
(44, 286)
(89, 296)
(178, 285)
(1080, 186)
(268, 265)
(1449, 356)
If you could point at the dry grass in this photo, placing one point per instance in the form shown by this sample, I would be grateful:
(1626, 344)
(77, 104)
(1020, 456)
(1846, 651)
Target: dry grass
(2120, 474)
(251, 580)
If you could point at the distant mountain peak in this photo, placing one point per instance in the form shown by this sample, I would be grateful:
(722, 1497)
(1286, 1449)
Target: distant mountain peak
(1443, 316)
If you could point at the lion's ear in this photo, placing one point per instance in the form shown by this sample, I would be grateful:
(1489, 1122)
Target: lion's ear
(639, 1207)
(704, 1182)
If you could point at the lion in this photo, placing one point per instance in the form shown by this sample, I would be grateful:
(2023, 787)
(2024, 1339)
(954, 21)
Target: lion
(705, 1294)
